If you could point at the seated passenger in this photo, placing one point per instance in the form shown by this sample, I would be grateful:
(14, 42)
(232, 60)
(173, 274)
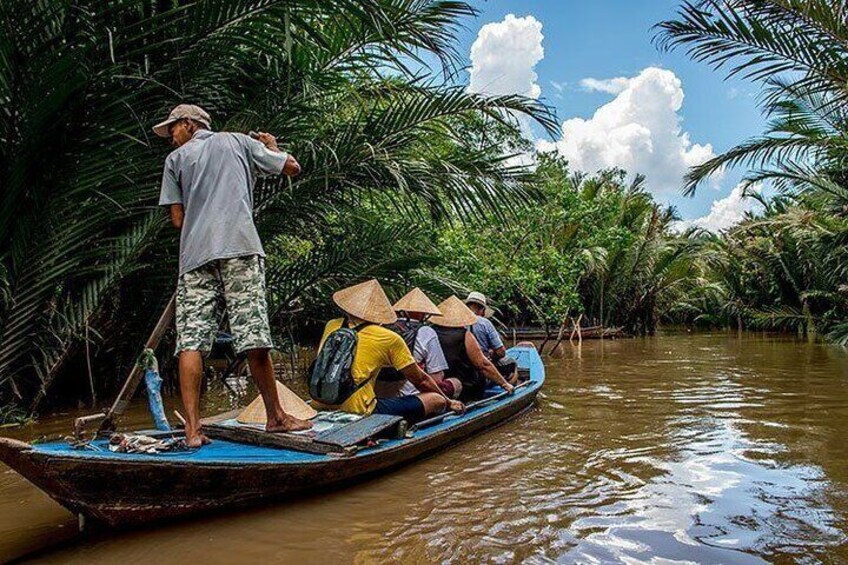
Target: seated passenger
(366, 307)
(466, 361)
(414, 310)
(488, 337)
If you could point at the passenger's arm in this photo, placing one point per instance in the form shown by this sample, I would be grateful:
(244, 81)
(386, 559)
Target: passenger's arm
(475, 354)
(499, 352)
(425, 383)
(177, 215)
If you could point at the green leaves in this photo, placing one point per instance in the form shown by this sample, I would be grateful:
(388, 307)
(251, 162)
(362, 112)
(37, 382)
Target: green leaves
(796, 49)
(597, 246)
(784, 268)
(344, 84)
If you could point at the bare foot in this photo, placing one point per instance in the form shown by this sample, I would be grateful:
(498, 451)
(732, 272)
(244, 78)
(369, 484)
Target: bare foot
(287, 424)
(197, 440)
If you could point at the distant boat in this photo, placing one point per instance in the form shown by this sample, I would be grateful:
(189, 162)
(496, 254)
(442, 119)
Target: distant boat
(589, 332)
(245, 466)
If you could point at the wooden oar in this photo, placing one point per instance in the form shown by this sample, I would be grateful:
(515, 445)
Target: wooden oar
(119, 406)
(468, 407)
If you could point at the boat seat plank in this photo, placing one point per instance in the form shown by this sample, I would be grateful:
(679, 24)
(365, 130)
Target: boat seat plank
(337, 439)
(359, 431)
(254, 436)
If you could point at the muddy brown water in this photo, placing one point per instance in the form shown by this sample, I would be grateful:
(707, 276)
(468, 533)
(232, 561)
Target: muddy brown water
(706, 448)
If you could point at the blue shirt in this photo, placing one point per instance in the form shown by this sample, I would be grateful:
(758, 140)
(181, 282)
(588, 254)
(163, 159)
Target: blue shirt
(212, 176)
(487, 336)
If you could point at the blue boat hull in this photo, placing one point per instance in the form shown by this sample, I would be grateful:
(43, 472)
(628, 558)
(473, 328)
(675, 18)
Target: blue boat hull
(129, 489)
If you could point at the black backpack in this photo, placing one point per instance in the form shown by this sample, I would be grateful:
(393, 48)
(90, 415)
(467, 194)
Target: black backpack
(408, 330)
(331, 381)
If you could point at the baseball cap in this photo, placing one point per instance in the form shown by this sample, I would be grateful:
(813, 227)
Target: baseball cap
(183, 111)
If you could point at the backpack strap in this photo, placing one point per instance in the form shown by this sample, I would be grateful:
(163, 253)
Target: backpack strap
(415, 329)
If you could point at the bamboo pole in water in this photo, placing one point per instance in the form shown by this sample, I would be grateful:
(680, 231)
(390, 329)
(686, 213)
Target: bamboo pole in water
(561, 333)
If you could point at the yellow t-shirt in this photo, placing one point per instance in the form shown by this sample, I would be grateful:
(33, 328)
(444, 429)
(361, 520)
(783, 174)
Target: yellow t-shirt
(376, 348)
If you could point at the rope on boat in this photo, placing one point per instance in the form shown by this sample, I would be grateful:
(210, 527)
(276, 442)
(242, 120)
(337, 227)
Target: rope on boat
(147, 360)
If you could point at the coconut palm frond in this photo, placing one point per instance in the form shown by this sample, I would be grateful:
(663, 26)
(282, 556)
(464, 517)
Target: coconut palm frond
(334, 80)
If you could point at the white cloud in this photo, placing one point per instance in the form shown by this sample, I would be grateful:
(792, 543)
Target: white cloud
(559, 86)
(503, 57)
(615, 85)
(639, 131)
(724, 213)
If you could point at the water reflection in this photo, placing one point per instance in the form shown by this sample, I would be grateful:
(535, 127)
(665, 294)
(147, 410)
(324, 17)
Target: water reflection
(683, 448)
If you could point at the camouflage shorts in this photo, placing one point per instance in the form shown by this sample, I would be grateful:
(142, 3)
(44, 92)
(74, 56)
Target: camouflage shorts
(232, 286)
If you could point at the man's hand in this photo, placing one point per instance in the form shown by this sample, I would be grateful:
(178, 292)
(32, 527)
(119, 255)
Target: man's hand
(456, 406)
(268, 140)
(508, 388)
(292, 167)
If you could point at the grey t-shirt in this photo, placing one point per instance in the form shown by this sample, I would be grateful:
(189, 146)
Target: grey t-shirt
(212, 176)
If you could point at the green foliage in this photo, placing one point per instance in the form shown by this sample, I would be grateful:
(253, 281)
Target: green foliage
(785, 268)
(598, 246)
(81, 83)
(796, 50)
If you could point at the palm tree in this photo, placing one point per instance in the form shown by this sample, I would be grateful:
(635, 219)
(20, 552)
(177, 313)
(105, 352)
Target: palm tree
(351, 87)
(796, 50)
(785, 268)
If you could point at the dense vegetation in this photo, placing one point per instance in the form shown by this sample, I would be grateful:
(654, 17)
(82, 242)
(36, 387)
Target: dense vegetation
(597, 247)
(786, 268)
(353, 88)
(407, 176)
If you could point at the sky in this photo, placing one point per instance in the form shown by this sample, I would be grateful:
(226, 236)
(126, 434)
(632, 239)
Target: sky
(620, 101)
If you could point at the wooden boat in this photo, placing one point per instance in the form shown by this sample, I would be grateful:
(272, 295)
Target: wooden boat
(589, 332)
(250, 467)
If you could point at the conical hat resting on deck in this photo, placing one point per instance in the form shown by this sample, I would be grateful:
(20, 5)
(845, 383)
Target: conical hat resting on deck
(416, 301)
(455, 314)
(292, 404)
(366, 301)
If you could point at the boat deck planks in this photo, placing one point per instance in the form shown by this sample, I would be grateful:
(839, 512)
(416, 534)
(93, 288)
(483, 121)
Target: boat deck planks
(337, 439)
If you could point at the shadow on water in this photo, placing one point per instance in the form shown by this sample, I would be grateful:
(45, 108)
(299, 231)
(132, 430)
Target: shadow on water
(707, 447)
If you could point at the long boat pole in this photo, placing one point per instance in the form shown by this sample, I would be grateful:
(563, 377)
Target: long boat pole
(119, 406)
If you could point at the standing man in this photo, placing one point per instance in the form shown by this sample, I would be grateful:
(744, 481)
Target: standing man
(488, 337)
(208, 186)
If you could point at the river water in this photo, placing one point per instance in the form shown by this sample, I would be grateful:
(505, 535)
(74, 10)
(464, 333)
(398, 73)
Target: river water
(706, 448)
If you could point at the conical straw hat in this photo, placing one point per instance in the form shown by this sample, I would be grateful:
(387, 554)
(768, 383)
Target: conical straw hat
(366, 301)
(455, 314)
(292, 404)
(416, 301)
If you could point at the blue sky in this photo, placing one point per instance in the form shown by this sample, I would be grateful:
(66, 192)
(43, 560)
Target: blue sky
(603, 39)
